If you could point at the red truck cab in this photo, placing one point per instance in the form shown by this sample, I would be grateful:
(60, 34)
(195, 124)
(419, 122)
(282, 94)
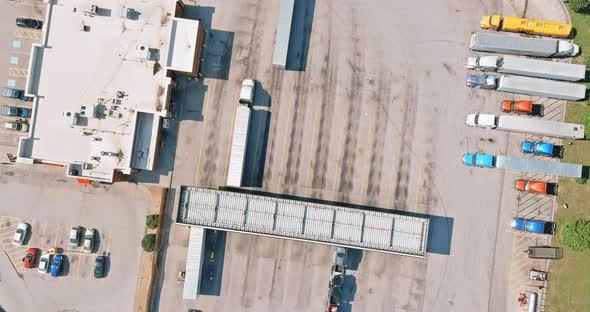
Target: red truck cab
(532, 186)
(522, 107)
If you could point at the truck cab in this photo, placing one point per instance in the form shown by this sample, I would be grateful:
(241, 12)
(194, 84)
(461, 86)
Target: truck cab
(522, 107)
(479, 160)
(486, 121)
(247, 92)
(533, 226)
(481, 81)
(542, 149)
(534, 186)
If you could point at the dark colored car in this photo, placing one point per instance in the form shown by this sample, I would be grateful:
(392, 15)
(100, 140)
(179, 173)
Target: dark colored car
(99, 266)
(15, 94)
(30, 258)
(28, 23)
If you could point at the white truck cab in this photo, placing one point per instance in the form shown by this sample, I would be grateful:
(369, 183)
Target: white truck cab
(247, 92)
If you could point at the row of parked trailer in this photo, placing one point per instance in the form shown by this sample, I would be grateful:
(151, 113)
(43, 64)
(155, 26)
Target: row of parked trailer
(530, 77)
(532, 74)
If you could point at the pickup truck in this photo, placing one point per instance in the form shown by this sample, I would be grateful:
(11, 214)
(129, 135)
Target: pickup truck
(544, 252)
(15, 111)
(533, 226)
(481, 81)
(479, 160)
(534, 186)
(542, 149)
(523, 107)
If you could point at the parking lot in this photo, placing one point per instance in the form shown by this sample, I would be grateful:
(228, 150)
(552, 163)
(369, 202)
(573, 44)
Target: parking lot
(46, 235)
(375, 118)
(15, 46)
(52, 204)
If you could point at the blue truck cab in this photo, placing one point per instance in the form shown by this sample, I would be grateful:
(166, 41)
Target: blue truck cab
(479, 160)
(533, 226)
(542, 149)
(57, 265)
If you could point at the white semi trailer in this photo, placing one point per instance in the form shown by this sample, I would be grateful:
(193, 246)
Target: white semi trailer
(527, 67)
(532, 126)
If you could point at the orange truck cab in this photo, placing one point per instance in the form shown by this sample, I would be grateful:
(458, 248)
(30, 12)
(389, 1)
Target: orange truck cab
(533, 186)
(522, 107)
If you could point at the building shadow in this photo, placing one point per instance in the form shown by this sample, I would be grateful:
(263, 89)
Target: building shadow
(159, 274)
(256, 147)
(348, 293)
(440, 231)
(217, 54)
(213, 260)
(203, 14)
(301, 25)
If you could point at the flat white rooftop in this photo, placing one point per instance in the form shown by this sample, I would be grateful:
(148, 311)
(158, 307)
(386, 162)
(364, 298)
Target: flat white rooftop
(299, 220)
(183, 45)
(99, 68)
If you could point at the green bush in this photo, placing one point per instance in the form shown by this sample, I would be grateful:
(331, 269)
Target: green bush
(586, 122)
(149, 242)
(152, 221)
(576, 235)
(580, 6)
(581, 180)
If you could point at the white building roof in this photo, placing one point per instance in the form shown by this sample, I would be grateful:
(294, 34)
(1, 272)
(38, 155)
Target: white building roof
(102, 67)
(328, 224)
(183, 45)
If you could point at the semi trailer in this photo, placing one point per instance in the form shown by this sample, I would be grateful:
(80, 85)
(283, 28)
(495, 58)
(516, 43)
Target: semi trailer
(532, 126)
(527, 67)
(529, 165)
(486, 42)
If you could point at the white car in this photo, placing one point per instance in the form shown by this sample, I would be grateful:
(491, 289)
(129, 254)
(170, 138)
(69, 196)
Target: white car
(89, 239)
(75, 234)
(44, 263)
(22, 230)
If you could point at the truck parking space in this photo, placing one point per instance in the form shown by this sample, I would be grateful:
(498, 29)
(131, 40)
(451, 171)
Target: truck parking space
(46, 235)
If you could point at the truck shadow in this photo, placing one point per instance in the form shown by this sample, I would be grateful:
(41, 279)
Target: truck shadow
(213, 259)
(353, 258)
(256, 146)
(348, 293)
(301, 25)
(440, 230)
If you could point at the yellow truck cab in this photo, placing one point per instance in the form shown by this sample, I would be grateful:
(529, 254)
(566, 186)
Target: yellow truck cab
(524, 25)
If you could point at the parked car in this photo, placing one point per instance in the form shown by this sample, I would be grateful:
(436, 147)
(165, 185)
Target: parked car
(57, 265)
(15, 94)
(99, 266)
(28, 22)
(44, 263)
(75, 236)
(89, 240)
(22, 230)
(481, 81)
(17, 126)
(533, 186)
(533, 226)
(30, 259)
(15, 111)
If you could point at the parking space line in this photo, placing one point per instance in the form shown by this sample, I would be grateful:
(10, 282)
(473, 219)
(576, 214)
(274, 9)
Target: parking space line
(78, 269)
(17, 72)
(43, 235)
(56, 235)
(336, 172)
(108, 244)
(285, 139)
(312, 146)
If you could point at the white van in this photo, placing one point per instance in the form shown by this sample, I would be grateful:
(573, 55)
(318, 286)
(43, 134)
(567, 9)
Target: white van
(532, 302)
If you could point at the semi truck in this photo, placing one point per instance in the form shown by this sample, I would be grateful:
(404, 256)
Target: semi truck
(533, 226)
(486, 42)
(525, 25)
(523, 107)
(527, 67)
(532, 126)
(541, 148)
(529, 165)
(534, 186)
(529, 86)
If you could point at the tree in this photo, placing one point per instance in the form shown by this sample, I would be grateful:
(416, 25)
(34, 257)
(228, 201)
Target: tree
(149, 242)
(152, 221)
(576, 235)
(580, 6)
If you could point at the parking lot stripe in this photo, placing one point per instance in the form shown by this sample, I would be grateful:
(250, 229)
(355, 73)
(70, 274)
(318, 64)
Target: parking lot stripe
(312, 146)
(286, 139)
(30, 4)
(78, 269)
(108, 244)
(56, 235)
(336, 172)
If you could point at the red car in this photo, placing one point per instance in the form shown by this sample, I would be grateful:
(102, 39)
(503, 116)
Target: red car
(30, 259)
